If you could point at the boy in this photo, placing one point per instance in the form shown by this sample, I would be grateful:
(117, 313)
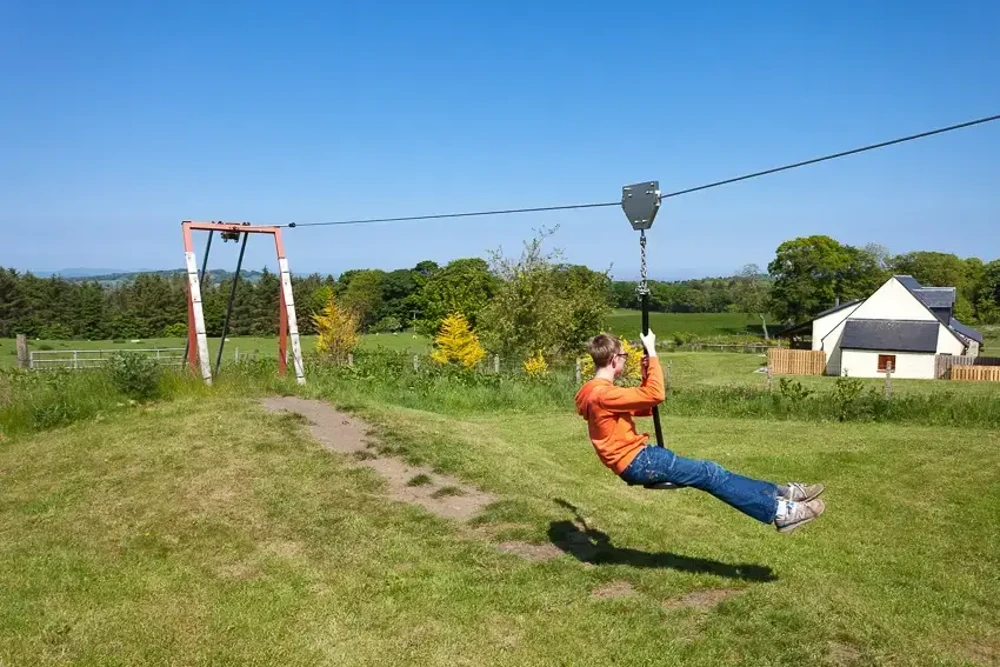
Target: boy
(609, 411)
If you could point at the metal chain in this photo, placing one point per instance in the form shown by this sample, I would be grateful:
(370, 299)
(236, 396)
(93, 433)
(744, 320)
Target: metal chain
(643, 288)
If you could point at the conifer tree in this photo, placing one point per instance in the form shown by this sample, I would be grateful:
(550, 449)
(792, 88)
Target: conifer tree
(336, 331)
(456, 343)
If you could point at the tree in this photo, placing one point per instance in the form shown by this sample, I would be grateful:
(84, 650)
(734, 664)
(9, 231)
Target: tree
(364, 296)
(336, 332)
(463, 286)
(811, 273)
(540, 306)
(456, 343)
(752, 294)
(988, 295)
(940, 269)
(12, 303)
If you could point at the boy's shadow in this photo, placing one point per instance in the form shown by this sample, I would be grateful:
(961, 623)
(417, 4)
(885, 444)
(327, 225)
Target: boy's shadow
(590, 545)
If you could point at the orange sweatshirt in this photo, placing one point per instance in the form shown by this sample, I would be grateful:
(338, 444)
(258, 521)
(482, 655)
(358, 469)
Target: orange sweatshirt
(609, 409)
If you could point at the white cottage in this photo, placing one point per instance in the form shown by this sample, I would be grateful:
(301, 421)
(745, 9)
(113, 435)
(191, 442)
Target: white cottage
(903, 326)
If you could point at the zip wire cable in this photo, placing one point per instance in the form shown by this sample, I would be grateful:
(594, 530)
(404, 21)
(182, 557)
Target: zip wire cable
(707, 186)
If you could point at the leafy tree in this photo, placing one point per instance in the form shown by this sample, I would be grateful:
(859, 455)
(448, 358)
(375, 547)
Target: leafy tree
(456, 343)
(364, 296)
(940, 269)
(463, 286)
(752, 294)
(542, 306)
(12, 303)
(988, 295)
(810, 273)
(336, 332)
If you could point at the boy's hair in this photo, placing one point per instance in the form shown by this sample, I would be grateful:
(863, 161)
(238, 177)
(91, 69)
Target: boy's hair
(603, 348)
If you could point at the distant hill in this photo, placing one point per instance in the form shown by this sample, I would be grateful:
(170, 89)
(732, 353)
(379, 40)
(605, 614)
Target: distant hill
(113, 277)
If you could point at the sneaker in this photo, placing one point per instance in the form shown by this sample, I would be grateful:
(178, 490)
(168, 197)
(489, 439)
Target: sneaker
(801, 493)
(799, 514)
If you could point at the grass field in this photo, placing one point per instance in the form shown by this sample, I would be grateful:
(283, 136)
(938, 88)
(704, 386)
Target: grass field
(247, 345)
(708, 325)
(208, 532)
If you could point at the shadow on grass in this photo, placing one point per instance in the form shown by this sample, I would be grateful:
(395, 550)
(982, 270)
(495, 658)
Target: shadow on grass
(590, 545)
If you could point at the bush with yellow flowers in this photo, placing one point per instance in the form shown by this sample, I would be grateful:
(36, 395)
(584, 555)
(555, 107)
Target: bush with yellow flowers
(456, 343)
(535, 366)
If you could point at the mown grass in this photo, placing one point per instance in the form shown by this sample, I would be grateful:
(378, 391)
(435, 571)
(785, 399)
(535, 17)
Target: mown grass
(628, 323)
(261, 347)
(203, 531)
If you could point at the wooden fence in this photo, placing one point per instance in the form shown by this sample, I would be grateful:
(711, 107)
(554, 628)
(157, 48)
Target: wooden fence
(945, 363)
(978, 373)
(782, 361)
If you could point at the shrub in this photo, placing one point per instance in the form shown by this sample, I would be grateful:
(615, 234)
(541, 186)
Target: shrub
(388, 324)
(535, 366)
(176, 330)
(135, 375)
(336, 331)
(456, 343)
(793, 390)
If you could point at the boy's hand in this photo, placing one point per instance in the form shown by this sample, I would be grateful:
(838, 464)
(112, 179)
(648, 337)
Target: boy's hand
(649, 343)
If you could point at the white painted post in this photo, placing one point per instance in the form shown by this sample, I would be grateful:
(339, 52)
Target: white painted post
(888, 379)
(416, 363)
(496, 364)
(770, 377)
(293, 324)
(350, 360)
(579, 371)
(199, 318)
(76, 363)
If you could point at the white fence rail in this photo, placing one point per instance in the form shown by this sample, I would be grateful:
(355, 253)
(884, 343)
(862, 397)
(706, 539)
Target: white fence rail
(79, 359)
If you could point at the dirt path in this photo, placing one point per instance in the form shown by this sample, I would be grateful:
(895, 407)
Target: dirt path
(344, 434)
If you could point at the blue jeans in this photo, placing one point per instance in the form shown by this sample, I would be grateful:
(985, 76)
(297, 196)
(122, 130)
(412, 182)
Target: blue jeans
(753, 497)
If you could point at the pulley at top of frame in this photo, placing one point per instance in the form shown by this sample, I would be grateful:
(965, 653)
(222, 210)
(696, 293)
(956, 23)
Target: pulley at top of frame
(230, 236)
(641, 202)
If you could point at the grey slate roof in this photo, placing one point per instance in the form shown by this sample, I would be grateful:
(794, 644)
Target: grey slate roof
(936, 297)
(909, 282)
(890, 335)
(966, 330)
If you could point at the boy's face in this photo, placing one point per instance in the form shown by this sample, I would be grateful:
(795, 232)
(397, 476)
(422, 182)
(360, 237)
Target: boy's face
(618, 362)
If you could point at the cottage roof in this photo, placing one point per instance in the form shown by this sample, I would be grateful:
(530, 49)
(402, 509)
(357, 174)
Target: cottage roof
(890, 335)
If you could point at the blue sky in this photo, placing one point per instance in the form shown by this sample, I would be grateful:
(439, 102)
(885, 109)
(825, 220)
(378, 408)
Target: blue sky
(121, 119)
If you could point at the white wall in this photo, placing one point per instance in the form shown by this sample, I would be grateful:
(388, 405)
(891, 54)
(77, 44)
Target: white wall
(948, 343)
(909, 365)
(824, 325)
(892, 301)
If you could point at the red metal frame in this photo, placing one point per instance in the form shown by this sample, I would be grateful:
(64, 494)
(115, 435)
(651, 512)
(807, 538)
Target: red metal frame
(189, 226)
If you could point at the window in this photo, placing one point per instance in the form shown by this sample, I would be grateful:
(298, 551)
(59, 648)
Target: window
(886, 362)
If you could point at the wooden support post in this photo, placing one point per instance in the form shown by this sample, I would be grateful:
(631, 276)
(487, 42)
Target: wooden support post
(579, 371)
(416, 363)
(667, 391)
(888, 379)
(350, 360)
(770, 378)
(23, 358)
(496, 364)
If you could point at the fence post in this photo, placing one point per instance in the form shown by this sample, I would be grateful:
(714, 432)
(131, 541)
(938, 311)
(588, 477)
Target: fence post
(75, 360)
(23, 359)
(496, 364)
(416, 363)
(667, 391)
(237, 355)
(888, 379)
(770, 377)
(350, 360)
(579, 371)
